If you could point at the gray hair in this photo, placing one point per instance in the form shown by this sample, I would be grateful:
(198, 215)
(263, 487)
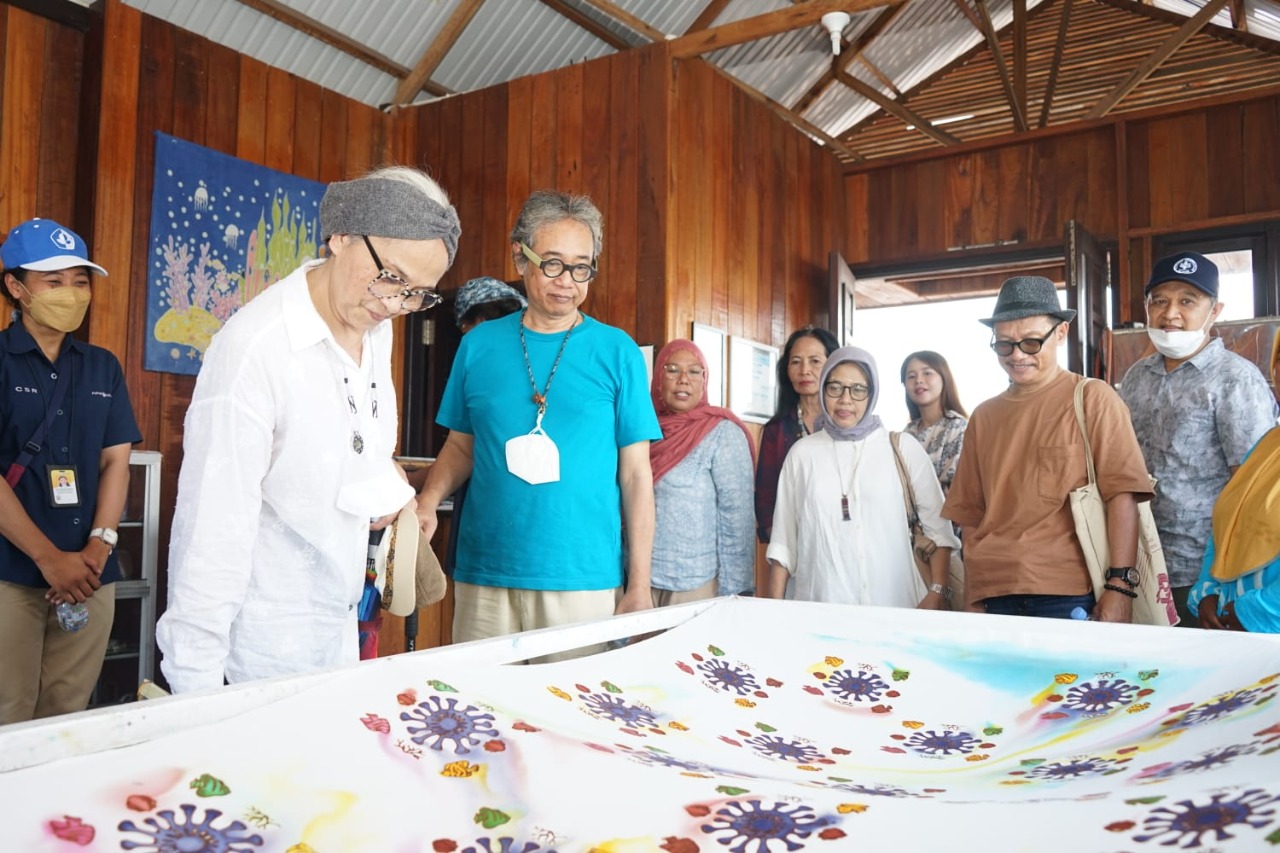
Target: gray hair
(547, 207)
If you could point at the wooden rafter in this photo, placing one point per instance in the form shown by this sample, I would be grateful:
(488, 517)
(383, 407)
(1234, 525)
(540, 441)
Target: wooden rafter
(1059, 46)
(885, 79)
(791, 118)
(850, 53)
(279, 11)
(1156, 59)
(1239, 17)
(619, 14)
(889, 105)
(412, 84)
(968, 12)
(708, 16)
(772, 23)
(572, 14)
(1253, 40)
(1020, 54)
(993, 41)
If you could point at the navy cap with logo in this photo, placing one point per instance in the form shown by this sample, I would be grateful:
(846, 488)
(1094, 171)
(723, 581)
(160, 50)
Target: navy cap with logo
(43, 245)
(1192, 267)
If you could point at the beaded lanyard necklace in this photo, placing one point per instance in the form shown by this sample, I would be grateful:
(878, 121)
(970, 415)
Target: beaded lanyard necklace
(540, 399)
(357, 440)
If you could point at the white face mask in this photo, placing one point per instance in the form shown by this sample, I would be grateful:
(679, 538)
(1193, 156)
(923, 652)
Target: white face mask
(1177, 345)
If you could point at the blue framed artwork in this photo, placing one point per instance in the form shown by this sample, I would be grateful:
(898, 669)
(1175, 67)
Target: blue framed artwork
(222, 231)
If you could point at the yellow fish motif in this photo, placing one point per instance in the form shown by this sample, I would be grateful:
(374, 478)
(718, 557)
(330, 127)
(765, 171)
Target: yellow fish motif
(460, 769)
(556, 691)
(1141, 706)
(832, 661)
(982, 757)
(851, 808)
(680, 727)
(913, 724)
(1066, 678)
(744, 703)
(809, 767)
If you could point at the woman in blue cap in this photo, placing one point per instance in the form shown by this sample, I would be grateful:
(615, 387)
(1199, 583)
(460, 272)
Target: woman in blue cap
(64, 413)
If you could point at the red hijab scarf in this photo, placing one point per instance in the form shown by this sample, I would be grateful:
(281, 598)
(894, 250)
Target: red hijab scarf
(683, 431)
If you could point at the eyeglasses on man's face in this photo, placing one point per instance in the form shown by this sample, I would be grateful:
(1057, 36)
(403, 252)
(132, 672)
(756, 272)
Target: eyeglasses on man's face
(554, 267)
(1030, 346)
(388, 286)
(694, 372)
(857, 391)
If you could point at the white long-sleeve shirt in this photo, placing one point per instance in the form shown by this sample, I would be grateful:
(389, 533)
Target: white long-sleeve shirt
(867, 559)
(265, 568)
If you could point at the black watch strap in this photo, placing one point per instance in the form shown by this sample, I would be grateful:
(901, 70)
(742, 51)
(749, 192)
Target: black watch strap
(1128, 574)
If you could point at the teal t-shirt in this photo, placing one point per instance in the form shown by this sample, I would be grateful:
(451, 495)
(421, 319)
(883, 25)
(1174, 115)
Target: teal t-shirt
(565, 535)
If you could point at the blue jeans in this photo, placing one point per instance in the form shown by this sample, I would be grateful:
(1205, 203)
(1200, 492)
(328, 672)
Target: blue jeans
(1046, 606)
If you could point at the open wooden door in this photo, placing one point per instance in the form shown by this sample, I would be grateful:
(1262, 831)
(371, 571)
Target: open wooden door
(843, 303)
(1088, 278)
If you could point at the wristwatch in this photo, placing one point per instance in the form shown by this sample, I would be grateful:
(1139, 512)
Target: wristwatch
(108, 536)
(1128, 574)
(944, 591)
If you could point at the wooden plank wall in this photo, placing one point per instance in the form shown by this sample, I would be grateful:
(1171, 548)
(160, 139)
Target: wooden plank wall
(40, 81)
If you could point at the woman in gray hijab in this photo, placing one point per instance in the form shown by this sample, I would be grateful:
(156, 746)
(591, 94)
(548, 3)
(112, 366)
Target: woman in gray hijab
(840, 530)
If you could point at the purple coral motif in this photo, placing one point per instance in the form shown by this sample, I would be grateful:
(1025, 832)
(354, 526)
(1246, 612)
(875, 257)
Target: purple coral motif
(856, 686)
(1105, 695)
(167, 835)
(727, 677)
(1059, 771)
(1209, 760)
(1221, 707)
(877, 790)
(942, 743)
(664, 759)
(748, 826)
(1186, 822)
(505, 845)
(786, 750)
(442, 720)
(618, 710)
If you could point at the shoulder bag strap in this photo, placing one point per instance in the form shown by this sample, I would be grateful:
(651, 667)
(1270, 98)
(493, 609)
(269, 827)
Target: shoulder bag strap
(908, 491)
(34, 444)
(1084, 433)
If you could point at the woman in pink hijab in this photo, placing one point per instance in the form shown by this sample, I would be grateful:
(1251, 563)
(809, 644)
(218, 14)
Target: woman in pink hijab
(703, 472)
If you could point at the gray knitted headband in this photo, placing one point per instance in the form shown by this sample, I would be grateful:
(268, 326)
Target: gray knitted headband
(383, 207)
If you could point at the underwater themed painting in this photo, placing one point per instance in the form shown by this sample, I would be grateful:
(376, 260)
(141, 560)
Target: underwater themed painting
(222, 231)
(753, 727)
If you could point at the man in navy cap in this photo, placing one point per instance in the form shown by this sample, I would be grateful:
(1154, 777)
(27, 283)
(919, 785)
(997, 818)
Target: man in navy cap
(65, 430)
(1023, 455)
(1197, 410)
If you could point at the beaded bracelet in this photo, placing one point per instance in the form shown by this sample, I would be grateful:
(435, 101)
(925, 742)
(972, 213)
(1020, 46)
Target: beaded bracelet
(1120, 590)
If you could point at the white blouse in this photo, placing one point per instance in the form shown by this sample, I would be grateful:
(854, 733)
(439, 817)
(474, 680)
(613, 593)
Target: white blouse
(867, 559)
(270, 534)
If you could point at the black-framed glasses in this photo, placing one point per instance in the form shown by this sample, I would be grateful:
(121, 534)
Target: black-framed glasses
(857, 391)
(693, 371)
(554, 267)
(388, 286)
(1030, 346)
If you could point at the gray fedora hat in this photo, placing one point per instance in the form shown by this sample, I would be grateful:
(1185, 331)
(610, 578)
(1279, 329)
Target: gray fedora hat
(1028, 296)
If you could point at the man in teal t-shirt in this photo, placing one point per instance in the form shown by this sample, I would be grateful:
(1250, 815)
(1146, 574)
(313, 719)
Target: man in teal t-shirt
(550, 418)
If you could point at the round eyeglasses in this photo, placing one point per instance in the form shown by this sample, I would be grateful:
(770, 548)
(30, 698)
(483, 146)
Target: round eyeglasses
(694, 372)
(388, 286)
(857, 391)
(554, 267)
(1030, 346)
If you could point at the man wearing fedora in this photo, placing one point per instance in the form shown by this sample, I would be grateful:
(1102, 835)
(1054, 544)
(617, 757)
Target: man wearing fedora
(1197, 409)
(1023, 455)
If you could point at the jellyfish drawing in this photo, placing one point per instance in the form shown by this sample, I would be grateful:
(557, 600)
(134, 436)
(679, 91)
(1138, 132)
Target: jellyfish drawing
(200, 200)
(231, 236)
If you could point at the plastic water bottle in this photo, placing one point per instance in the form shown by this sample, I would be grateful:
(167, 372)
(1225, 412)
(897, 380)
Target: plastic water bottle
(1081, 614)
(72, 617)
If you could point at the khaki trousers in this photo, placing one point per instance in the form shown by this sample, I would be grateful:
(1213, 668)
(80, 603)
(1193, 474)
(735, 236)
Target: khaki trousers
(44, 671)
(481, 612)
(667, 597)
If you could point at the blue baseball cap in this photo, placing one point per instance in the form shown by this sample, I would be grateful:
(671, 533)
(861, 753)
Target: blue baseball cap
(1192, 267)
(43, 245)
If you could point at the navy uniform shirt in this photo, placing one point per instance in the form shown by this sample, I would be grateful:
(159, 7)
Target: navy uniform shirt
(95, 414)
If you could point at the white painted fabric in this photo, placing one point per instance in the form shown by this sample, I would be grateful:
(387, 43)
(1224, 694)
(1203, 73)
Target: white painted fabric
(265, 568)
(866, 560)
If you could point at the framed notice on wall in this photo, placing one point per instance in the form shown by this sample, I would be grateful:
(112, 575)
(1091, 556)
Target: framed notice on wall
(711, 341)
(753, 386)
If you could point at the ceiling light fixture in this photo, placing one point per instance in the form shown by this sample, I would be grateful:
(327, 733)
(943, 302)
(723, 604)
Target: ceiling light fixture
(835, 22)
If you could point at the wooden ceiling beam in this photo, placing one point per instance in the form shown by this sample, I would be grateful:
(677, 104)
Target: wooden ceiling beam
(1156, 59)
(412, 84)
(791, 118)
(782, 20)
(993, 41)
(1239, 16)
(851, 53)
(572, 14)
(969, 13)
(1154, 13)
(885, 79)
(707, 17)
(631, 21)
(278, 11)
(1059, 46)
(1020, 54)
(889, 105)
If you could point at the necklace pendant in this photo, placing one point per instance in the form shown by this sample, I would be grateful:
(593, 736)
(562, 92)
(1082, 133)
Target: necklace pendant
(844, 507)
(357, 441)
(539, 399)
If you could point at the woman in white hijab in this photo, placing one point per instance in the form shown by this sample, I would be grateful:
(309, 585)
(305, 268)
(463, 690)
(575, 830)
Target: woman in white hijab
(840, 530)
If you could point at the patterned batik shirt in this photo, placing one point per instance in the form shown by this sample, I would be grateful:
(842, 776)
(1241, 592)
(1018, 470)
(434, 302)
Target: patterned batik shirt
(942, 441)
(1194, 425)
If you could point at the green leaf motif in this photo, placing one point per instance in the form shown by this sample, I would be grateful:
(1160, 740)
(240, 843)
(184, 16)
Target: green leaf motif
(717, 652)
(436, 684)
(765, 727)
(730, 791)
(611, 687)
(491, 818)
